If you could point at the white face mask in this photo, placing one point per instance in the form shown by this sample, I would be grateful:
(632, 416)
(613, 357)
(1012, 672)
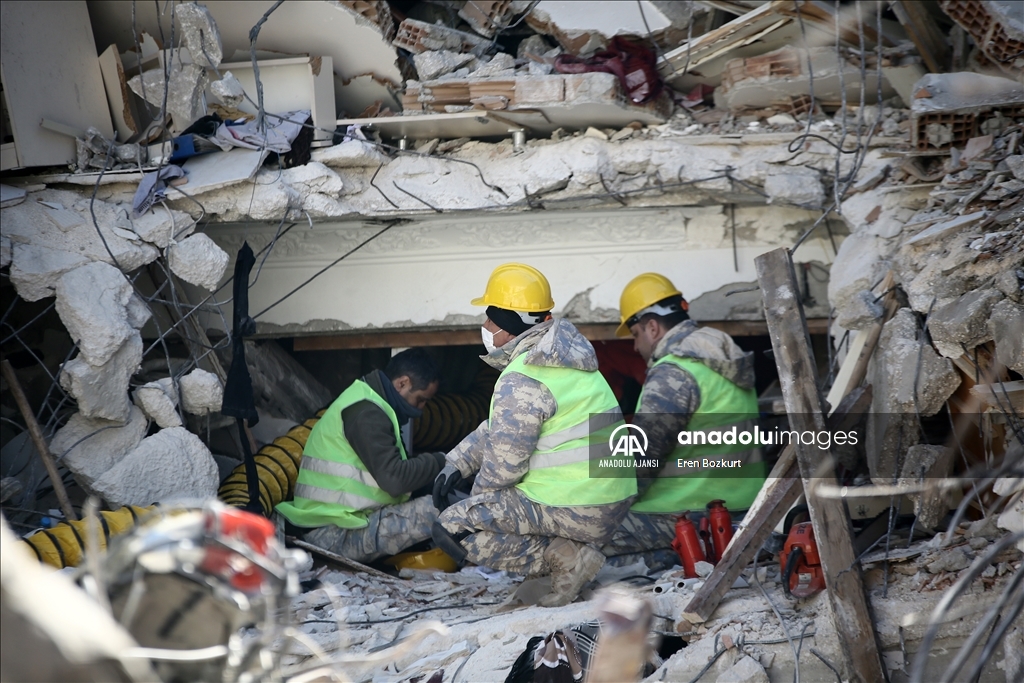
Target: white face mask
(488, 339)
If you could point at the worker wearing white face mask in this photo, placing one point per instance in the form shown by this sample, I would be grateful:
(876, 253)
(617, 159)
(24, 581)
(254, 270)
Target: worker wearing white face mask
(534, 508)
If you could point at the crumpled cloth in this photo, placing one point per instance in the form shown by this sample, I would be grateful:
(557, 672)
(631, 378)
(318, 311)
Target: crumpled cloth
(153, 188)
(280, 132)
(561, 656)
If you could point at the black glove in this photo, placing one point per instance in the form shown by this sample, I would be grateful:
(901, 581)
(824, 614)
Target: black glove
(444, 484)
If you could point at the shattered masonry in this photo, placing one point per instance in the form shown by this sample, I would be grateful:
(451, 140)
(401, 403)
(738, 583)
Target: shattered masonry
(430, 139)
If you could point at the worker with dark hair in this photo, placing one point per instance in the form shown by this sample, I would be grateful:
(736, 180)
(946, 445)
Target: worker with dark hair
(352, 492)
(698, 380)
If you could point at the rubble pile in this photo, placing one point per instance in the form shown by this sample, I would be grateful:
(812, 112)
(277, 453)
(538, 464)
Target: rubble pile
(895, 128)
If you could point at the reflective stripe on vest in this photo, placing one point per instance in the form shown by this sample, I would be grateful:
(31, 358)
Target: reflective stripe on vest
(559, 473)
(692, 488)
(334, 486)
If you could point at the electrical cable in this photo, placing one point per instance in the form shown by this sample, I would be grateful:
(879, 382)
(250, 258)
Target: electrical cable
(370, 622)
(785, 629)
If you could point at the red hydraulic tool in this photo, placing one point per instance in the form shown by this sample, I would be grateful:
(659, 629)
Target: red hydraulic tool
(802, 575)
(720, 530)
(687, 546)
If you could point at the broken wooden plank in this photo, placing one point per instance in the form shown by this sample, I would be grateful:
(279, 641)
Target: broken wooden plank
(1003, 396)
(339, 559)
(924, 32)
(781, 490)
(798, 377)
(37, 440)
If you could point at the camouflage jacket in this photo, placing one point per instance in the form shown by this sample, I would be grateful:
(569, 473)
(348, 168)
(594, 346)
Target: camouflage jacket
(498, 451)
(671, 395)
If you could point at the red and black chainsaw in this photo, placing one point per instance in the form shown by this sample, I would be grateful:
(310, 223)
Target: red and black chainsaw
(802, 575)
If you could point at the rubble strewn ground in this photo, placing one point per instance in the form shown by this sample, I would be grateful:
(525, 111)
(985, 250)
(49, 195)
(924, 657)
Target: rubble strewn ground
(891, 133)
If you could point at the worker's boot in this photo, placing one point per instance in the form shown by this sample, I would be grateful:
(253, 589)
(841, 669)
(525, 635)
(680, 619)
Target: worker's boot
(573, 565)
(450, 543)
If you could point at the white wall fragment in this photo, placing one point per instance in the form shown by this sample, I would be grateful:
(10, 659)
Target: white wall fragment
(171, 464)
(92, 303)
(90, 446)
(102, 390)
(158, 400)
(201, 392)
(198, 261)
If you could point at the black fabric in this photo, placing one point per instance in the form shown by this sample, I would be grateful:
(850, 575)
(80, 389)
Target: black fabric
(239, 401)
(403, 411)
(510, 320)
(205, 125)
(559, 657)
(369, 431)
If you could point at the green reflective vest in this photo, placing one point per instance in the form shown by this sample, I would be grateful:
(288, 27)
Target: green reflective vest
(334, 486)
(723, 405)
(559, 472)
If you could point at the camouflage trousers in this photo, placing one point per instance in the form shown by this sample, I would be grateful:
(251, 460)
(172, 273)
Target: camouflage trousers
(389, 531)
(511, 532)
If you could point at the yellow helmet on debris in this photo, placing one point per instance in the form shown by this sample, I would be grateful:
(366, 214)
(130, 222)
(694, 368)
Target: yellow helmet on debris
(517, 287)
(642, 291)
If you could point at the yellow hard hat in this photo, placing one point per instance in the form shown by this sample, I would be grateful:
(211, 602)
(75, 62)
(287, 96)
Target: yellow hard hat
(517, 287)
(642, 291)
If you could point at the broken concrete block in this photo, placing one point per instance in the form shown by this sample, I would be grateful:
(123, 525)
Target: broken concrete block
(501, 64)
(313, 178)
(228, 90)
(1006, 326)
(946, 228)
(198, 261)
(1016, 164)
(781, 120)
(92, 302)
(745, 670)
(350, 154)
(138, 312)
(430, 65)
(795, 185)
(909, 378)
(201, 392)
(592, 132)
(5, 251)
(860, 311)
(419, 36)
(158, 400)
(862, 261)
(184, 90)
(596, 86)
(1012, 520)
(199, 33)
(162, 227)
(35, 270)
(171, 464)
(539, 89)
(1009, 283)
(950, 560)
(960, 326)
(89, 447)
(925, 464)
(102, 390)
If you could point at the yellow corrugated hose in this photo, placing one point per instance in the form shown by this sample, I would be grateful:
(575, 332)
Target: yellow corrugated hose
(277, 467)
(64, 545)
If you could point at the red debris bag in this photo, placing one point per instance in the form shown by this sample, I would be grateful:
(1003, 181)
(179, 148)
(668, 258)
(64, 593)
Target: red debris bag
(630, 59)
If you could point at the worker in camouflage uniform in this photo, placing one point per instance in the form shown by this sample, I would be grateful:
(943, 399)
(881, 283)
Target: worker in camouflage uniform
(352, 492)
(698, 379)
(534, 509)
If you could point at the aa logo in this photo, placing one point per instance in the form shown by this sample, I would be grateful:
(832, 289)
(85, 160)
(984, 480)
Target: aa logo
(624, 441)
